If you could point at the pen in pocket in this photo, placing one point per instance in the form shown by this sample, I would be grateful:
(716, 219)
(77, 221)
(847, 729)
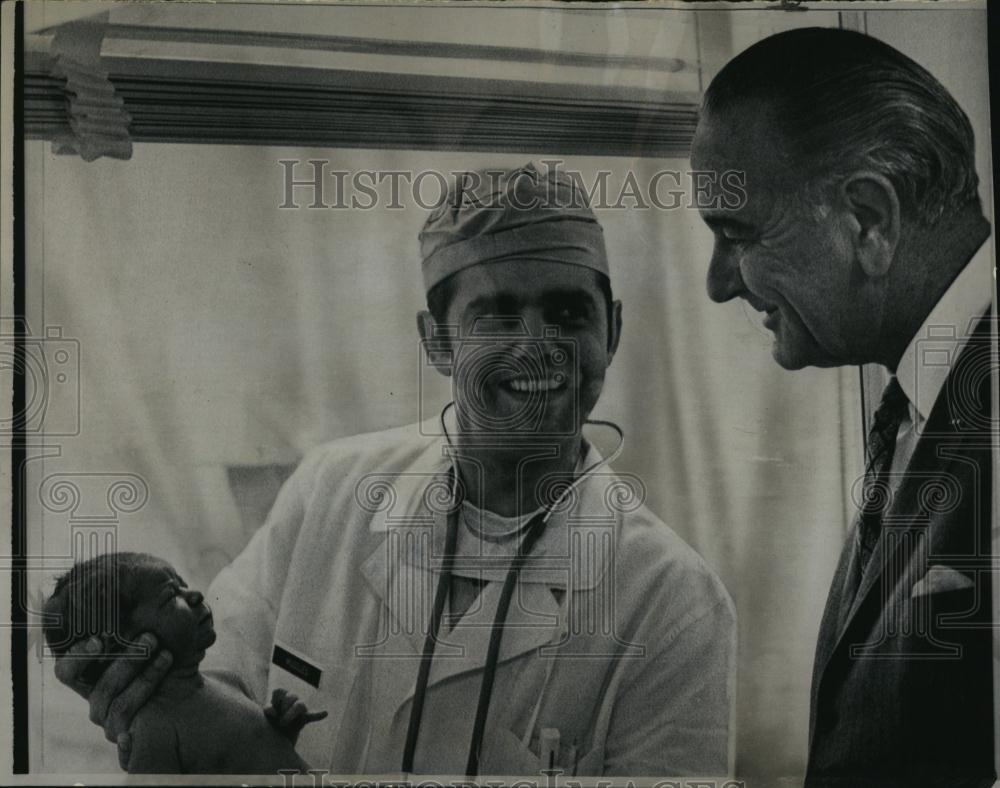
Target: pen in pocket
(548, 747)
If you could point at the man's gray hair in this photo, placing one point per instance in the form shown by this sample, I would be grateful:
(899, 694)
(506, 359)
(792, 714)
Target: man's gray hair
(843, 101)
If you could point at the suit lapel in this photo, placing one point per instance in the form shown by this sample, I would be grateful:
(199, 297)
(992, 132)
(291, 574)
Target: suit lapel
(906, 516)
(906, 521)
(903, 525)
(838, 602)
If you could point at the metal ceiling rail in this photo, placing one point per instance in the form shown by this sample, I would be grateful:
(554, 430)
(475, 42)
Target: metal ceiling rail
(256, 104)
(391, 47)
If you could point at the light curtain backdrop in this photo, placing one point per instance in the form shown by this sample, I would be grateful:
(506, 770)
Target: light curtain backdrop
(221, 337)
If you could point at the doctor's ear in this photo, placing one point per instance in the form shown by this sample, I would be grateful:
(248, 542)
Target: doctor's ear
(436, 343)
(873, 216)
(614, 329)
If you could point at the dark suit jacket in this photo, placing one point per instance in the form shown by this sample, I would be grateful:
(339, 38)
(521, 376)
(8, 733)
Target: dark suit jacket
(902, 690)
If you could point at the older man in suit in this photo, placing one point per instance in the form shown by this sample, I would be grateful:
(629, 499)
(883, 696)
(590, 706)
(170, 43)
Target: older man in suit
(862, 240)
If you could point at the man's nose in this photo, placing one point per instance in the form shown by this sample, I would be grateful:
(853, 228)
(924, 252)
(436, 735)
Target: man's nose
(525, 326)
(724, 281)
(534, 322)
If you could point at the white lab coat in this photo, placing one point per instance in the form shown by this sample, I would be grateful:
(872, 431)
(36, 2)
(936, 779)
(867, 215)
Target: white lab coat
(618, 635)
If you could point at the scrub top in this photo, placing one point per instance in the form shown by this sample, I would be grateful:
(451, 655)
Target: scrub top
(618, 637)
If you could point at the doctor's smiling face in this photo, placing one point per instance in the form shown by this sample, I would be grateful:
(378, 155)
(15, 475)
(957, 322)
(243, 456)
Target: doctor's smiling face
(534, 340)
(790, 257)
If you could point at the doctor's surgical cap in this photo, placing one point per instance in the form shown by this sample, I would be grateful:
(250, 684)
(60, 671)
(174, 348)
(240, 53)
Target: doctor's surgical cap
(488, 216)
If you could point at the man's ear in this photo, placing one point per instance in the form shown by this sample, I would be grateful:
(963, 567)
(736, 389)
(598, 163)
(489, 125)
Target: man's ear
(873, 210)
(436, 344)
(614, 330)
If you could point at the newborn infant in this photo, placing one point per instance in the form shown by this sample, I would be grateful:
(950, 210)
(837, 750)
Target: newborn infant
(195, 723)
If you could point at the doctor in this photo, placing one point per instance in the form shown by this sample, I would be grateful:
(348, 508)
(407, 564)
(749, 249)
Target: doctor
(387, 552)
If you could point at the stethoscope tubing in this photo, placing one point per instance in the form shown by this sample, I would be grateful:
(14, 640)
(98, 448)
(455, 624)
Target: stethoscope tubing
(423, 673)
(533, 533)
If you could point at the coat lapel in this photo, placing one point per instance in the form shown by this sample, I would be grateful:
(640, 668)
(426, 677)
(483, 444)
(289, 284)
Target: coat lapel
(838, 604)
(403, 572)
(532, 622)
(905, 523)
(400, 576)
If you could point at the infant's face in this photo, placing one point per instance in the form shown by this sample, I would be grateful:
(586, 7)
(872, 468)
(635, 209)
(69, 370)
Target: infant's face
(177, 615)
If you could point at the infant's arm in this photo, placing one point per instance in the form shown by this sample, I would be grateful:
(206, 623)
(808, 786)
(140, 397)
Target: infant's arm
(274, 754)
(251, 743)
(155, 748)
(231, 678)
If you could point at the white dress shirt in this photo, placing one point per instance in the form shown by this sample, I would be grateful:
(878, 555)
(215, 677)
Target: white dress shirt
(928, 359)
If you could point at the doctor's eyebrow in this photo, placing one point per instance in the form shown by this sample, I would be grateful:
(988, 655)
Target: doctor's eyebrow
(575, 298)
(506, 303)
(726, 222)
(497, 303)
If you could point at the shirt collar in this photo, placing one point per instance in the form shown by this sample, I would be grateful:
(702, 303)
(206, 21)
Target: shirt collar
(927, 360)
(585, 512)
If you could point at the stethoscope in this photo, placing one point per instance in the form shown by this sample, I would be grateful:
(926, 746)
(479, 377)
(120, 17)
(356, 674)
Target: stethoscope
(532, 533)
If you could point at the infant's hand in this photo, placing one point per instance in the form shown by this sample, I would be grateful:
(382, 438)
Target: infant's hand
(289, 715)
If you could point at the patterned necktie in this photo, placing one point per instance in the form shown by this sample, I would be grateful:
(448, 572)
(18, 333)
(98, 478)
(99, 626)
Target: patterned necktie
(881, 447)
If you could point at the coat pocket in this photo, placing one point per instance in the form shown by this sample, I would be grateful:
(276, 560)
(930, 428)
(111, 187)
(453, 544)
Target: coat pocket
(336, 689)
(509, 756)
